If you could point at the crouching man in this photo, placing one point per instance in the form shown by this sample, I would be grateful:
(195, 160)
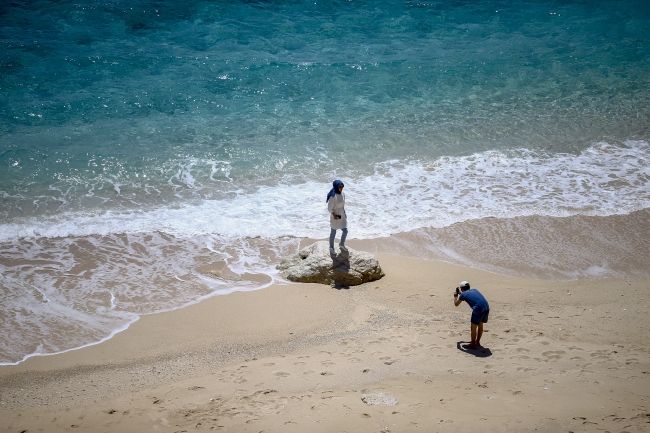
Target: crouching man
(480, 310)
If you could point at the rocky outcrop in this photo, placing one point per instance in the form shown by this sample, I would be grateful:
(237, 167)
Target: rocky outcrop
(315, 264)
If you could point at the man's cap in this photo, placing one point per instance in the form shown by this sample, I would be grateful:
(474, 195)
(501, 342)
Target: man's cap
(464, 285)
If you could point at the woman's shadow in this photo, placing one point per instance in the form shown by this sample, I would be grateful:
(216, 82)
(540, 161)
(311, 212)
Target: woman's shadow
(341, 265)
(479, 352)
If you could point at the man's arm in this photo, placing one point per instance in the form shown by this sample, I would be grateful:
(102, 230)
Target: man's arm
(457, 300)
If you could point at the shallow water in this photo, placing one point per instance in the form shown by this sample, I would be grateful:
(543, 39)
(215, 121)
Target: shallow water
(154, 153)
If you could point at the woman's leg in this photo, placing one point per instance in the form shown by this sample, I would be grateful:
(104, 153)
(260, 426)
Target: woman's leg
(332, 236)
(343, 236)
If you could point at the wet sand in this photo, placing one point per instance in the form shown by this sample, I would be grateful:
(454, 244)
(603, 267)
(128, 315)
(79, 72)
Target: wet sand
(386, 356)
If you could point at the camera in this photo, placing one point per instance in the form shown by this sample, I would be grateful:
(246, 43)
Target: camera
(458, 290)
(338, 217)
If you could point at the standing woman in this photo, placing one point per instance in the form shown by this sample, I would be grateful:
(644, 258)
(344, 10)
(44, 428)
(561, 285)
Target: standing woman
(338, 219)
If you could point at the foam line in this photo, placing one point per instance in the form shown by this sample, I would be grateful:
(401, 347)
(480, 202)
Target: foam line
(602, 180)
(108, 337)
(222, 291)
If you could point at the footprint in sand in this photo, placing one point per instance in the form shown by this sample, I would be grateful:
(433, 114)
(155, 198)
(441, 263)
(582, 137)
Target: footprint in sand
(354, 360)
(583, 420)
(553, 355)
(281, 374)
(526, 369)
(599, 354)
(328, 363)
(327, 373)
(269, 364)
(309, 372)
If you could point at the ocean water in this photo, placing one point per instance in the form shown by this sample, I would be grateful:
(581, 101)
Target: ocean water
(155, 153)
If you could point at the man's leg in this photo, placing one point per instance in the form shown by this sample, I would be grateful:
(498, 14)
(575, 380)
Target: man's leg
(479, 334)
(472, 345)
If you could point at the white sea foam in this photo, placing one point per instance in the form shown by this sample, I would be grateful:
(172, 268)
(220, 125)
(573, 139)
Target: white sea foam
(30, 318)
(89, 288)
(602, 180)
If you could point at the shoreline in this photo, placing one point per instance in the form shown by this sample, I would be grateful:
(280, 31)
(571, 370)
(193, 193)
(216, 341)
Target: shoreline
(546, 248)
(288, 345)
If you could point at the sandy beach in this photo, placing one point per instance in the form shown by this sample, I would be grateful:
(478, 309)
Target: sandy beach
(386, 356)
(158, 160)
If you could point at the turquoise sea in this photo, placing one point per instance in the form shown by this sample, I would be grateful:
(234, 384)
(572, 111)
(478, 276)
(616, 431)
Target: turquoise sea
(155, 153)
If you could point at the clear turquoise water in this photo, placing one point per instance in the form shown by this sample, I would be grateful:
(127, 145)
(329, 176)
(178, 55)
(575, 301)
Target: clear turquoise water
(97, 93)
(184, 125)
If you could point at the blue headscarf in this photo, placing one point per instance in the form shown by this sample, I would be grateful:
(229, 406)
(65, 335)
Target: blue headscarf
(337, 184)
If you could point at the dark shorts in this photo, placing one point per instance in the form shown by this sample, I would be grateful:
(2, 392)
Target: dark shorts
(479, 317)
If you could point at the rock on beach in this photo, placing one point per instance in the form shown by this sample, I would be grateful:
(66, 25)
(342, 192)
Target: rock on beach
(315, 264)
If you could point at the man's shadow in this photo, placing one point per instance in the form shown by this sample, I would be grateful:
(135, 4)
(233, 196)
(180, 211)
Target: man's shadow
(479, 352)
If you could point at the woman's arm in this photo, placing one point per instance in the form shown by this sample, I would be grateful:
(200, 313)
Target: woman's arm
(330, 206)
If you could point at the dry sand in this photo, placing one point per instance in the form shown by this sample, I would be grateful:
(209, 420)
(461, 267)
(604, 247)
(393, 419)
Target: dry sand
(382, 357)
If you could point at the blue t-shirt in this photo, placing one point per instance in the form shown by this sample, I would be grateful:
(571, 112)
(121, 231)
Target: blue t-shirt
(475, 300)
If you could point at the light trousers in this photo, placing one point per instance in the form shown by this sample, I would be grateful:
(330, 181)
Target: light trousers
(333, 235)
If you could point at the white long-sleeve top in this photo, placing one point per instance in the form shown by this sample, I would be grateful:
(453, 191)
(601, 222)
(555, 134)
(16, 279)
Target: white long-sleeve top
(336, 204)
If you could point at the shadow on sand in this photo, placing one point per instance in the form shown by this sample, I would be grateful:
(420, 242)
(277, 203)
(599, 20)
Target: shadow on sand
(479, 352)
(341, 262)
